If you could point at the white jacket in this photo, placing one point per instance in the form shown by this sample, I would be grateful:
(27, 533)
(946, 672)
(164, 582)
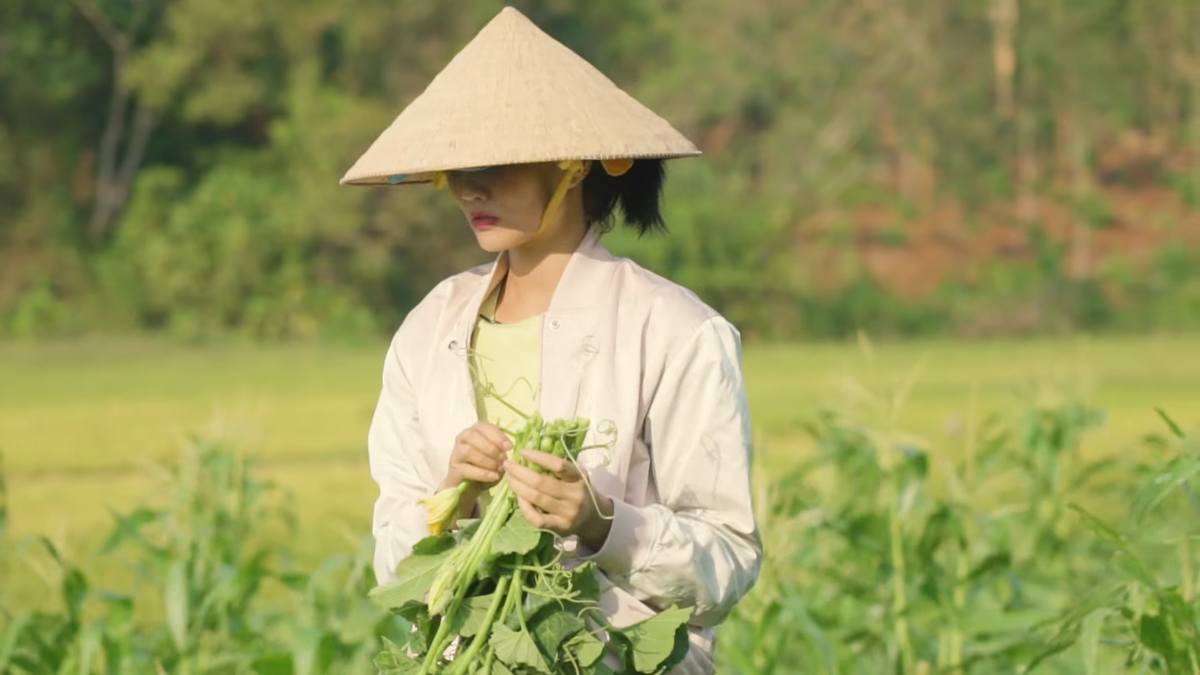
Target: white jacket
(620, 345)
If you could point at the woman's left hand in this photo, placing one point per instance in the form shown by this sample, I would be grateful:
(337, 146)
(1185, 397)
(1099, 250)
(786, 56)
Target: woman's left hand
(563, 497)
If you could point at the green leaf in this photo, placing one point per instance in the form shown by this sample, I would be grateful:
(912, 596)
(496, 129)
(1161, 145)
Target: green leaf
(313, 652)
(678, 652)
(653, 640)
(1135, 568)
(517, 648)
(1177, 472)
(433, 545)
(420, 639)
(1170, 423)
(1089, 636)
(551, 627)
(500, 669)
(585, 581)
(12, 637)
(586, 648)
(1099, 527)
(393, 660)
(175, 595)
(466, 529)
(129, 527)
(468, 618)
(414, 576)
(273, 664)
(517, 536)
(1154, 633)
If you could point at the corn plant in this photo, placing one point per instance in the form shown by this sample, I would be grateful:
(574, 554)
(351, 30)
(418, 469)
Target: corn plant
(1147, 611)
(203, 562)
(875, 570)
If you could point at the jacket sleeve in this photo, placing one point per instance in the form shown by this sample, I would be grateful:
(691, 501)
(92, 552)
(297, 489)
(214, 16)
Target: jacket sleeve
(700, 545)
(398, 464)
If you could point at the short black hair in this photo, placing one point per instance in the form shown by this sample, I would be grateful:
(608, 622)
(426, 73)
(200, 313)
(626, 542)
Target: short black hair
(638, 191)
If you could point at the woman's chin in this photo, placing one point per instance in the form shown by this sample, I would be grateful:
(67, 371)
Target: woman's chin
(498, 240)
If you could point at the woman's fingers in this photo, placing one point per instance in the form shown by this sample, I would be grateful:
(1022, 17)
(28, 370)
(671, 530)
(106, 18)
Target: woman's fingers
(542, 521)
(540, 489)
(479, 450)
(562, 468)
(478, 474)
(492, 433)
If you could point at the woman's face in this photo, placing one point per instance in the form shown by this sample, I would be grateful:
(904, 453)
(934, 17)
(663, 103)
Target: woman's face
(504, 204)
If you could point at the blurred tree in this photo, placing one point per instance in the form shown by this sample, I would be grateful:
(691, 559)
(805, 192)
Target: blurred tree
(139, 135)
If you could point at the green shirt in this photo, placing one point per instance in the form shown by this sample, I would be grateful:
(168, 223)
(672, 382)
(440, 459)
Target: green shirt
(506, 356)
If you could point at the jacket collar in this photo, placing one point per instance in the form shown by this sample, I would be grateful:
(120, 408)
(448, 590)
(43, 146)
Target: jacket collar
(586, 277)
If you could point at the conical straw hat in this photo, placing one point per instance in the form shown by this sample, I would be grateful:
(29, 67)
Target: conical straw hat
(515, 95)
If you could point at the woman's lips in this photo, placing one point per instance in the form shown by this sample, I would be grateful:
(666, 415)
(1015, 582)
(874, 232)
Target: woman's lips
(484, 221)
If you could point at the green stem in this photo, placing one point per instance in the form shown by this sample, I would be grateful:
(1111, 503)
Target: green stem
(464, 660)
(519, 603)
(960, 602)
(440, 641)
(496, 395)
(900, 590)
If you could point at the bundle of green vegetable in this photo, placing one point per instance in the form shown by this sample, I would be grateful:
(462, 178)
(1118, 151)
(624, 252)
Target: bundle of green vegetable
(493, 596)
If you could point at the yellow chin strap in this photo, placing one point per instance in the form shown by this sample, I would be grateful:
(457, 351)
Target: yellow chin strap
(571, 168)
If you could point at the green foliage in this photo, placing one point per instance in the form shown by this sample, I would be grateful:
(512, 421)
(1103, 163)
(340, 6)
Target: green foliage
(1001, 550)
(201, 565)
(173, 166)
(890, 555)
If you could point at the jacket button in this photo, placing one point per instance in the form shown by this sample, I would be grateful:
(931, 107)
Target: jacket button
(555, 324)
(453, 345)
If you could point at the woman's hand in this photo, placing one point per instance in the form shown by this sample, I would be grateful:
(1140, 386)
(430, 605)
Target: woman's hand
(563, 497)
(478, 456)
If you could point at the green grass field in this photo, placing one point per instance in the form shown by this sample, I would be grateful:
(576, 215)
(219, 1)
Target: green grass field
(82, 425)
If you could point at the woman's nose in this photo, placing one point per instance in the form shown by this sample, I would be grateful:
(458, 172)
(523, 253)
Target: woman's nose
(473, 190)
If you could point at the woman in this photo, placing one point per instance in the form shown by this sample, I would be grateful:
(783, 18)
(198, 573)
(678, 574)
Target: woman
(539, 149)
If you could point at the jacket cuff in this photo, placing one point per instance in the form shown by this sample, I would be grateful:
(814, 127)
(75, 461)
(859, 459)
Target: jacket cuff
(630, 540)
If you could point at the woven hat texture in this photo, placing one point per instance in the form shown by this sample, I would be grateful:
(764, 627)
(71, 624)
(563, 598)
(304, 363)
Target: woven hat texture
(515, 95)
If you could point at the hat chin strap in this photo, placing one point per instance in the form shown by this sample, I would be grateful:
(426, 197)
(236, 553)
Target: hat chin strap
(571, 168)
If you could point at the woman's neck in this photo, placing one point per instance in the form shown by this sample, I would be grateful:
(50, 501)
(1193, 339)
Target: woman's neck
(535, 269)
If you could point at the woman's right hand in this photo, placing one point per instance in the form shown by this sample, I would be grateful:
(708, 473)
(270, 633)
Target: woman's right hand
(478, 456)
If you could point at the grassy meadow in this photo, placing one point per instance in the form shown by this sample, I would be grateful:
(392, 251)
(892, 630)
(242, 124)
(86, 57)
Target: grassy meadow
(83, 426)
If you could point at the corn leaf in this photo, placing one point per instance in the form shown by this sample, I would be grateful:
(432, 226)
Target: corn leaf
(12, 637)
(273, 664)
(517, 536)
(1170, 423)
(1178, 472)
(516, 648)
(1089, 638)
(176, 599)
(1156, 636)
(1099, 527)
(129, 527)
